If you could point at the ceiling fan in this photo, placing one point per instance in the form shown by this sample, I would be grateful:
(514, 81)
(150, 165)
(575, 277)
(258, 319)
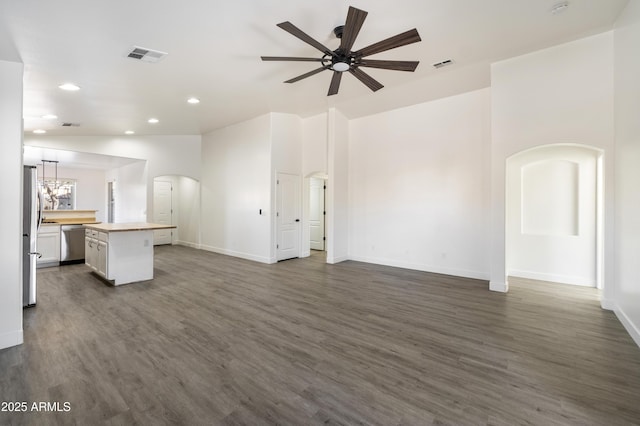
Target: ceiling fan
(344, 59)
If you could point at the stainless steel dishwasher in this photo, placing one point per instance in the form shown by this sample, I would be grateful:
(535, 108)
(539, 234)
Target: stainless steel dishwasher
(71, 244)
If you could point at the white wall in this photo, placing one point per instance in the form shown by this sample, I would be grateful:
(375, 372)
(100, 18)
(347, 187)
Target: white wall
(236, 184)
(563, 94)
(419, 186)
(165, 155)
(130, 192)
(626, 299)
(11, 215)
(337, 187)
(314, 144)
(551, 214)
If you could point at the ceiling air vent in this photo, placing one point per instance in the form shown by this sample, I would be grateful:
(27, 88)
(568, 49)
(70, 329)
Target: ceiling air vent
(67, 124)
(443, 63)
(146, 55)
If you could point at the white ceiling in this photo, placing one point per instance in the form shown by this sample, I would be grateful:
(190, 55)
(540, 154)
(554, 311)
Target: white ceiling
(215, 47)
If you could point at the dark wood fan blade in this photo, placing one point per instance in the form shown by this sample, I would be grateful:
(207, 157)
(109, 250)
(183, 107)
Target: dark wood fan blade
(389, 65)
(305, 75)
(355, 19)
(366, 79)
(403, 39)
(297, 32)
(335, 83)
(289, 58)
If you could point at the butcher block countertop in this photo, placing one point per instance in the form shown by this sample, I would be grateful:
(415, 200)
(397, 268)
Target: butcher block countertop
(70, 221)
(131, 226)
(69, 217)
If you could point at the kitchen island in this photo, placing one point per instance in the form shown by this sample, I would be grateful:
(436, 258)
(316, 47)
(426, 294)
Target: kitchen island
(121, 253)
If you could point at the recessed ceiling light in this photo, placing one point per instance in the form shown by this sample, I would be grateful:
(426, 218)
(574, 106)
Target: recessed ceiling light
(39, 131)
(559, 7)
(129, 132)
(153, 120)
(193, 100)
(49, 116)
(69, 86)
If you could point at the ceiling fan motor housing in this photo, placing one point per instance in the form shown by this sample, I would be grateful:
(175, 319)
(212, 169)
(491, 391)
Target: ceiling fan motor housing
(340, 62)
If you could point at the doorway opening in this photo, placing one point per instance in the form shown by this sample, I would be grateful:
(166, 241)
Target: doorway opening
(163, 211)
(554, 215)
(176, 202)
(317, 213)
(316, 228)
(111, 201)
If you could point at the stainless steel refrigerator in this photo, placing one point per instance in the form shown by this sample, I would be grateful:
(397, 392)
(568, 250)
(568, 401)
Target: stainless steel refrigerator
(31, 220)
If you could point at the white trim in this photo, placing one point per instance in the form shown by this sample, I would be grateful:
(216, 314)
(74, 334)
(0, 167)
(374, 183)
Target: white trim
(631, 328)
(12, 338)
(554, 278)
(261, 259)
(422, 267)
(338, 259)
(607, 304)
(499, 287)
(188, 244)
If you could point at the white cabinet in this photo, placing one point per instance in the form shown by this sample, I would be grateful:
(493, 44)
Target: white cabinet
(97, 252)
(103, 252)
(90, 252)
(121, 253)
(48, 245)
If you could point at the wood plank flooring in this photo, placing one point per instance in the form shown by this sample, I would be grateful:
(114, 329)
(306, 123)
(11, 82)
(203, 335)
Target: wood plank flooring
(216, 340)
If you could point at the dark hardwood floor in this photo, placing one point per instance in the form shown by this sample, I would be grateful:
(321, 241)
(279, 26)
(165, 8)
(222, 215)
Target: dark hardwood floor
(216, 340)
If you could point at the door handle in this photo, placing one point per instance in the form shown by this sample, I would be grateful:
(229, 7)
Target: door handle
(297, 220)
(36, 253)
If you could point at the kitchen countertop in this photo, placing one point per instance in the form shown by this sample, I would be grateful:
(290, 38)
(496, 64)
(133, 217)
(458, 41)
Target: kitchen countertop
(131, 226)
(78, 221)
(62, 212)
(69, 217)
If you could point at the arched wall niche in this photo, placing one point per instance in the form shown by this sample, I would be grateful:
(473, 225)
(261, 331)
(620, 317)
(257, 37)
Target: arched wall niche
(554, 214)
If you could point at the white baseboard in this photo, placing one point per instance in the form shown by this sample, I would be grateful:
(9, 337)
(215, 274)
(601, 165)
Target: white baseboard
(338, 259)
(632, 329)
(188, 244)
(607, 304)
(499, 286)
(248, 256)
(422, 267)
(554, 278)
(11, 338)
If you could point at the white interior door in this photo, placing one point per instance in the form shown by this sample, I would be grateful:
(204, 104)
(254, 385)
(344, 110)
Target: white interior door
(288, 216)
(316, 214)
(162, 211)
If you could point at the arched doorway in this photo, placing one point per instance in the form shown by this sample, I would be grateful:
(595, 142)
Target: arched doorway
(554, 218)
(176, 201)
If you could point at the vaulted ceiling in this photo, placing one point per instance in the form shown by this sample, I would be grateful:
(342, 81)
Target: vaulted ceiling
(214, 51)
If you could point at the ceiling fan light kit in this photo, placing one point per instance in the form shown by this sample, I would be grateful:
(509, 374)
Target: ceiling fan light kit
(344, 59)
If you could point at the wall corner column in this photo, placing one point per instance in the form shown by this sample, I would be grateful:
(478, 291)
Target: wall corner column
(11, 74)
